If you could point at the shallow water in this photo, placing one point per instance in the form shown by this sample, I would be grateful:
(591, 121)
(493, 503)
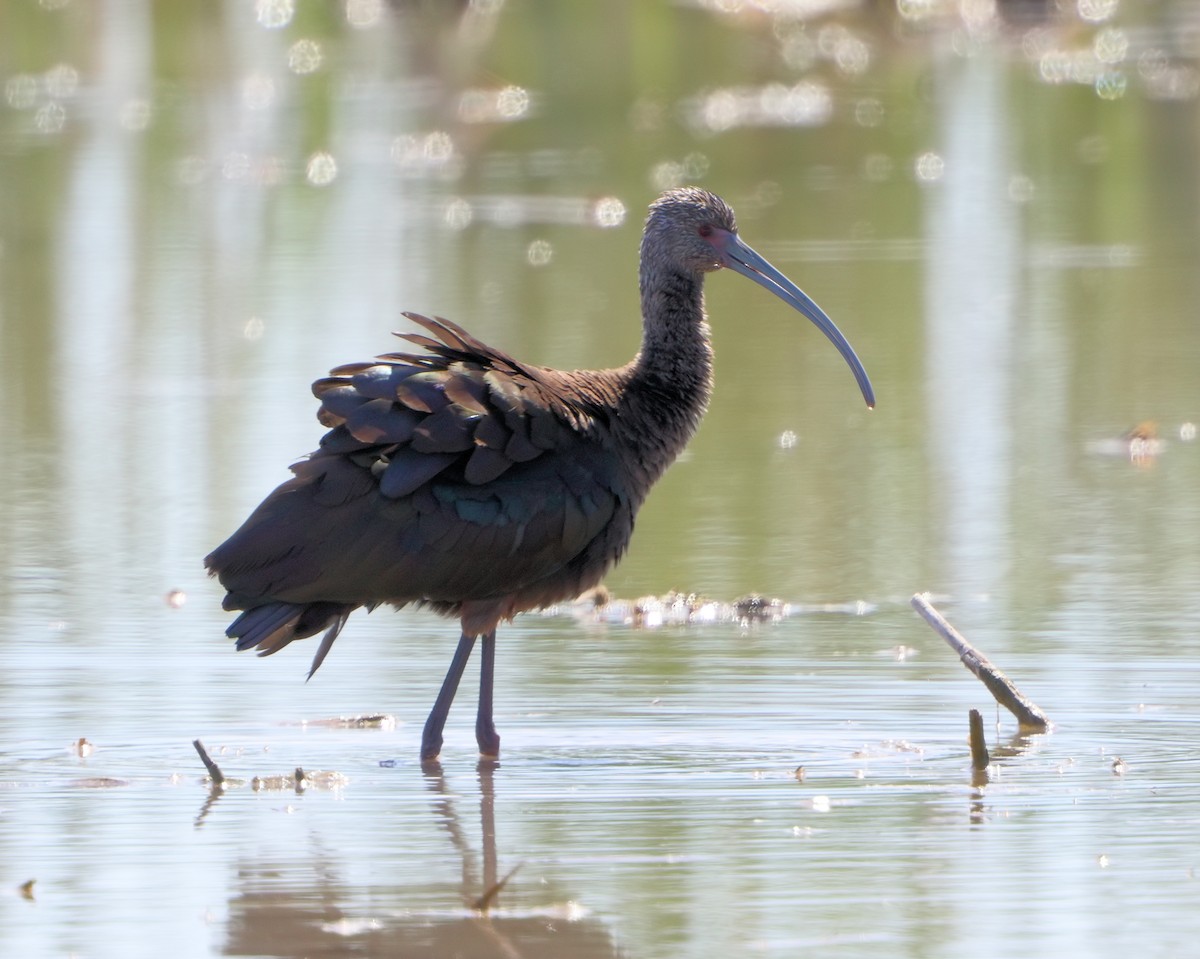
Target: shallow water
(209, 206)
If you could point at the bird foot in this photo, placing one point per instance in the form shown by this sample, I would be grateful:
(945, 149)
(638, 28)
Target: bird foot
(431, 749)
(489, 743)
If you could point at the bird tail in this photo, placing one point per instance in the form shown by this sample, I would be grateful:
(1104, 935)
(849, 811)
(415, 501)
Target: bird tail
(272, 626)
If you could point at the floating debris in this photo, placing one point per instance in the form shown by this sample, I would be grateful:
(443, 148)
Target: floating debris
(348, 927)
(672, 609)
(760, 609)
(176, 598)
(97, 782)
(688, 609)
(1143, 442)
(26, 889)
(1141, 445)
(299, 781)
(82, 748)
(887, 747)
(367, 721)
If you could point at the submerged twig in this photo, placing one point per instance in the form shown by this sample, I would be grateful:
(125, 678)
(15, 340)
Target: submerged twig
(979, 750)
(1000, 686)
(214, 771)
(484, 902)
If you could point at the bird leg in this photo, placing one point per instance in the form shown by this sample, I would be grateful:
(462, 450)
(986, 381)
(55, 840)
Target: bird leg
(431, 738)
(485, 729)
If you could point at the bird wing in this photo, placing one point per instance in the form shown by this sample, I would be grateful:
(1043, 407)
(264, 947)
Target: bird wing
(462, 403)
(449, 475)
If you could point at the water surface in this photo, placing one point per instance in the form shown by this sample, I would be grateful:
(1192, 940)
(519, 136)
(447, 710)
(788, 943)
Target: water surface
(208, 206)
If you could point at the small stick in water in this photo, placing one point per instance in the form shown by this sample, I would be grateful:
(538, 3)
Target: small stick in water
(214, 771)
(484, 902)
(1000, 686)
(979, 750)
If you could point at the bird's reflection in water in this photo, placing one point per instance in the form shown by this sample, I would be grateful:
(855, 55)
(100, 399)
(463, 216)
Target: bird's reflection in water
(279, 910)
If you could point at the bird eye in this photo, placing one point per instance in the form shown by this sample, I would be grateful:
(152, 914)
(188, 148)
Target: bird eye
(705, 230)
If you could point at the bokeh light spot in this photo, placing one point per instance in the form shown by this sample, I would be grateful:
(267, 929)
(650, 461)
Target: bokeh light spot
(608, 212)
(929, 167)
(1111, 45)
(1111, 85)
(1096, 11)
(322, 169)
(274, 14)
(540, 253)
(458, 214)
(50, 118)
(363, 13)
(305, 56)
(21, 91)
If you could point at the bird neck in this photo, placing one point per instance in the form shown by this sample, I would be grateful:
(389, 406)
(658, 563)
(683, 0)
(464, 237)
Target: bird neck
(676, 353)
(672, 375)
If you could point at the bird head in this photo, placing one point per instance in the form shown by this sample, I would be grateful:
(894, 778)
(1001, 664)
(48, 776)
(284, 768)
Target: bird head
(682, 226)
(692, 230)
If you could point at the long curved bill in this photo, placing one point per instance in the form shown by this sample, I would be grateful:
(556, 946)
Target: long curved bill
(739, 257)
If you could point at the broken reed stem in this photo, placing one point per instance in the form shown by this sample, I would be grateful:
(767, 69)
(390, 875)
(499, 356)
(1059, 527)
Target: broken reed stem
(1000, 686)
(484, 902)
(214, 771)
(979, 750)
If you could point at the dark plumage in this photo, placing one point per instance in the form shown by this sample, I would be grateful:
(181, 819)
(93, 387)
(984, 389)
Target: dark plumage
(459, 478)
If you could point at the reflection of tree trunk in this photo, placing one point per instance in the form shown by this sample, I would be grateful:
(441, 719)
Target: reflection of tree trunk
(973, 287)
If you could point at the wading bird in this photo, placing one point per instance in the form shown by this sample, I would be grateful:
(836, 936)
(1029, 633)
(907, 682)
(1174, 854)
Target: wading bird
(459, 478)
